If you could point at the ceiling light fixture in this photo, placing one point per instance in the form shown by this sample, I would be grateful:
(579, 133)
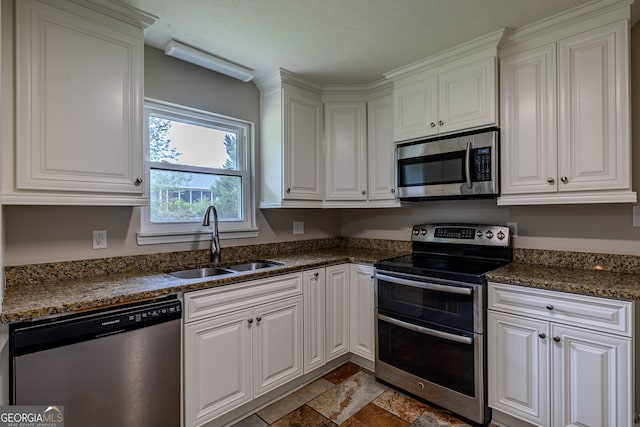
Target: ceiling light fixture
(207, 60)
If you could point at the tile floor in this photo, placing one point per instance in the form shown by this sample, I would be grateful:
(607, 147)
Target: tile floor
(349, 396)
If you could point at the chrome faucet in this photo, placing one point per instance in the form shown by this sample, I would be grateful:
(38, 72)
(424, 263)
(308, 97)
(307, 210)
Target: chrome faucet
(215, 239)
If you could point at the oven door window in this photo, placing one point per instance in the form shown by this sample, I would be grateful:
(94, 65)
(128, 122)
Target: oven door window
(444, 362)
(439, 305)
(445, 168)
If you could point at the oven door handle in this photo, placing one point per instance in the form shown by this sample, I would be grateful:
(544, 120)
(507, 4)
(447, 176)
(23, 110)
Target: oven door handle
(467, 165)
(431, 286)
(426, 331)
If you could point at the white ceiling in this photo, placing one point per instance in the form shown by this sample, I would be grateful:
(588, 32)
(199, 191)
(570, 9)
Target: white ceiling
(334, 41)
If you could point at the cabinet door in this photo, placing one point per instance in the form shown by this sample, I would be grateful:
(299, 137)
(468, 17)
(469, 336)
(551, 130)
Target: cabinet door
(78, 102)
(346, 148)
(217, 366)
(594, 109)
(467, 96)
(314, 290)
(415, 109)
(337, 329)
(277, 344)
(361, 334)
(302, 145)
(518, 367)
(592, 378)
(529, 150)
(380, 149)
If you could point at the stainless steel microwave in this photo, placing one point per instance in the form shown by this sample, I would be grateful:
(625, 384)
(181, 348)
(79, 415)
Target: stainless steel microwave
(457, 166)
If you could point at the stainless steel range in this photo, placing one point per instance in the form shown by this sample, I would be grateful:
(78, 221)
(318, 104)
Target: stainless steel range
(431, 315)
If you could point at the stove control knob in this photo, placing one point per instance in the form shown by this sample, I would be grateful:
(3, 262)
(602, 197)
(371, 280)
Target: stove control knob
(416, 232)
(500, 235)
(489, 234)
(423, 232)
(479, 233)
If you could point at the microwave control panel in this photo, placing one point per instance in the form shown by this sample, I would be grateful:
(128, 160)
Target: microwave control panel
(482, 164)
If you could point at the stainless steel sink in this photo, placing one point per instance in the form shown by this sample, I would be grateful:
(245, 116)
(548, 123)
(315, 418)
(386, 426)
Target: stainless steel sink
(250, 266)
(200, 273)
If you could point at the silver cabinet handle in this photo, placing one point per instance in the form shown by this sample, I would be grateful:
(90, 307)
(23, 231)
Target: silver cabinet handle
(542, 335)
(549, 307)
(138, 181)
(249, 321)
(393, 190)
(426, 331)
(258, 319)
(440, 122)
(426, 285)
(364, 192)
(433, 124)
(556, 339)
(288, 190)
(316, 274)
(550, 180)
(564, 179)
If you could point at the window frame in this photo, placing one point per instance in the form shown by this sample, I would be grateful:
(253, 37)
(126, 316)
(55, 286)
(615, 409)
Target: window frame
(173, 232)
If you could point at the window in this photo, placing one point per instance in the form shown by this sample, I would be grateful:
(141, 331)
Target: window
(194, 159)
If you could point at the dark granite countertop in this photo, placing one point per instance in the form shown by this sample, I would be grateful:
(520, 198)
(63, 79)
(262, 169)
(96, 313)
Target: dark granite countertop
(595, 282)
(33, 300)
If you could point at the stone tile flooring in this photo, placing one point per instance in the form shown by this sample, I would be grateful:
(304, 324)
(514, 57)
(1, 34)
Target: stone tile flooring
(350, 396)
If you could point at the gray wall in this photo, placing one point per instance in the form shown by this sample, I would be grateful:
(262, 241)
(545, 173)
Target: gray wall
(36, 234)
(42, 234)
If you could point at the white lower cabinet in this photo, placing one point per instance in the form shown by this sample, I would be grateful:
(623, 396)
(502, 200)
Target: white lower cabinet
(338, 308)
(240, 352)
(558, 359)
(314, 290)
(361, 322)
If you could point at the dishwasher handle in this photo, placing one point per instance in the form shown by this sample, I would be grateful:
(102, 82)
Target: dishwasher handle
(29, 337)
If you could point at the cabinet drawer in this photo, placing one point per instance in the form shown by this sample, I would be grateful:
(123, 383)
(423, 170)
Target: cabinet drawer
(602, 314)
(224, 299)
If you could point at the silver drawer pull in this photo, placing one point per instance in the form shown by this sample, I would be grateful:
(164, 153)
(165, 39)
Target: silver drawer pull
(426, 331)
(431, 286)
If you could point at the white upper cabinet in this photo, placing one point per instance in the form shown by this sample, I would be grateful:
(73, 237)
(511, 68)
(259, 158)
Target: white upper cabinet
(346, 150)
(565, 112)
(79, 92)
(290, 142)
(448, 92)
(380, 154)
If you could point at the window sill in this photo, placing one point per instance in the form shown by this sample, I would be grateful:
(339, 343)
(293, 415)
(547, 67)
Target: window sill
(166, 237)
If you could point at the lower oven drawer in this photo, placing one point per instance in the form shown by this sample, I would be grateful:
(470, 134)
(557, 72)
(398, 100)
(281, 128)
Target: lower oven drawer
(441, 357)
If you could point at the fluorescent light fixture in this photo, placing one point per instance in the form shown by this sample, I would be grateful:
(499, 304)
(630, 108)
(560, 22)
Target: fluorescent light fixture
(207, 60)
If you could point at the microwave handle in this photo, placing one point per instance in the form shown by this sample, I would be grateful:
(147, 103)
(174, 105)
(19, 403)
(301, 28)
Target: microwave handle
(467, 165)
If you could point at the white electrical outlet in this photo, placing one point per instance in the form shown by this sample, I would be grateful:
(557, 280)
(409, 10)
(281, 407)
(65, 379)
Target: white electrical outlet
(513, 226)
(99, 239)
(298, 227)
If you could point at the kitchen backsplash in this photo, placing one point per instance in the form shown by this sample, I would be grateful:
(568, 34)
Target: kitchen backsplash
(170, 261)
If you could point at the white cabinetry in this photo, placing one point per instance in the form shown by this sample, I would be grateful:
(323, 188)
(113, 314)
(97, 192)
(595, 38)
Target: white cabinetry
(346, 150)
(380, 154)
(79, 92)
(314, 291)
(337, 309)
(241, 341)
(361, 321)
(565, 113)
(448, 92)
(290, 142)
(558, 359)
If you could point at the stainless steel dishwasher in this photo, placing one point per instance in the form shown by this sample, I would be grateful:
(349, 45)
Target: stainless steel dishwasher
(119, 367)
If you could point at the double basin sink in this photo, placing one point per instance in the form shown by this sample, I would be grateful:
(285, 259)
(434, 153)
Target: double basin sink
(201, 273)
